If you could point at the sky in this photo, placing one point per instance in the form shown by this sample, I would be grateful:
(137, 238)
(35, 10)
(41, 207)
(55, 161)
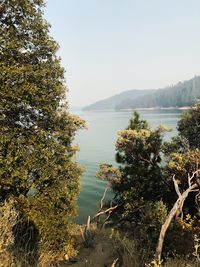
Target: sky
(109, 46)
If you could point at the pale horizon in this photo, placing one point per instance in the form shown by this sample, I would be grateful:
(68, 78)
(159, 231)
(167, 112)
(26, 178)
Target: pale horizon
(109, 47)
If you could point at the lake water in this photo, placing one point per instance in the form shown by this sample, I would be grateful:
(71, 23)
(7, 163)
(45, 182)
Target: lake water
(97, 144)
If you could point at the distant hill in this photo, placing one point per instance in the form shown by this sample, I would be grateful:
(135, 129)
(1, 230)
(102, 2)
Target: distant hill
(182, 94)
(114, 101)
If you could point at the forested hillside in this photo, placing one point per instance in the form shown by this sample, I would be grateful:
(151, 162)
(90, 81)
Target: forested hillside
(116, 100)
(182, 94)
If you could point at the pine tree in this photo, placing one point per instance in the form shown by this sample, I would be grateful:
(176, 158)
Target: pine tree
(138, 155)
(138, 178)
(37, 164)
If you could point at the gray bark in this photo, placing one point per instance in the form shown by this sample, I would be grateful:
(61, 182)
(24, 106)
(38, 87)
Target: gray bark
(176, 208)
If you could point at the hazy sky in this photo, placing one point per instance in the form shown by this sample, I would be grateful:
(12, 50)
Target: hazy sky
(108, 46)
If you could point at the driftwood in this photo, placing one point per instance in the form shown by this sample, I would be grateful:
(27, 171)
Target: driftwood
(175, 211)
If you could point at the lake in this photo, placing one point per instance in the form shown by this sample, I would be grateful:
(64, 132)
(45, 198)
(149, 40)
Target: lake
(97, 145)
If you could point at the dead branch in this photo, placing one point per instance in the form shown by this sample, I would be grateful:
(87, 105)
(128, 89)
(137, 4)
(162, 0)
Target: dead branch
(193, 174)
(176, 186)
(179, 194)
(103, 197)
(114, 263)
(176, 208)
(82, 233)
(189, 180)
(109, 210)
(106, 219)
(88, 224)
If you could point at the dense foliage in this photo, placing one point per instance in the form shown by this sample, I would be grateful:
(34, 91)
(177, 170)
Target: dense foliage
(37, 166)
(143, 184)
(138, 153)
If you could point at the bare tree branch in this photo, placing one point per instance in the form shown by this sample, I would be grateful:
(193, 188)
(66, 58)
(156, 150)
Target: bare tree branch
(189, 180)
(109, 210)
(177, 208)
(176, 186)
(103, 197)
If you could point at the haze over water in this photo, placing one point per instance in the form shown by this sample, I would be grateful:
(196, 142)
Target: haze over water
(97, 144)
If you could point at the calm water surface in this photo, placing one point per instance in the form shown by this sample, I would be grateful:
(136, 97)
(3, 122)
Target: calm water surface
(97, 144)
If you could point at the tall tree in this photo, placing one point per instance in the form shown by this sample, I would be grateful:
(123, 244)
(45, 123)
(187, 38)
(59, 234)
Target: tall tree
(37, 164)
(139, 176)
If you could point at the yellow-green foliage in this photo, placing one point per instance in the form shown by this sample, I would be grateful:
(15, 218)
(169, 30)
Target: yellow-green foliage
(143, 183)
(184, 163)
(138, 176)
(37, 166)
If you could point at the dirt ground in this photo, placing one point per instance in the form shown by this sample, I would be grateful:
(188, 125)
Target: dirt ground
(100, 254)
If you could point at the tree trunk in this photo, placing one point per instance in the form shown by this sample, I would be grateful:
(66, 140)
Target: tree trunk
(178, 204)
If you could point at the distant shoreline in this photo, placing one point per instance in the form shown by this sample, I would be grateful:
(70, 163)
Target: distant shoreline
(160, 108)
(140, 109)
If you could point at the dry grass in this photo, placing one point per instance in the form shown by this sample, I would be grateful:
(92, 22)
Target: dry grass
(98, 247)
(181, 263)
(8, 218)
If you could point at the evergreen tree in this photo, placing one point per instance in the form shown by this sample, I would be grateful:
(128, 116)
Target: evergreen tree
(37, 164)
(183, 156)
(145, 185)
(189, 127)
(138, 153)
(137, 181)
(139, 176)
